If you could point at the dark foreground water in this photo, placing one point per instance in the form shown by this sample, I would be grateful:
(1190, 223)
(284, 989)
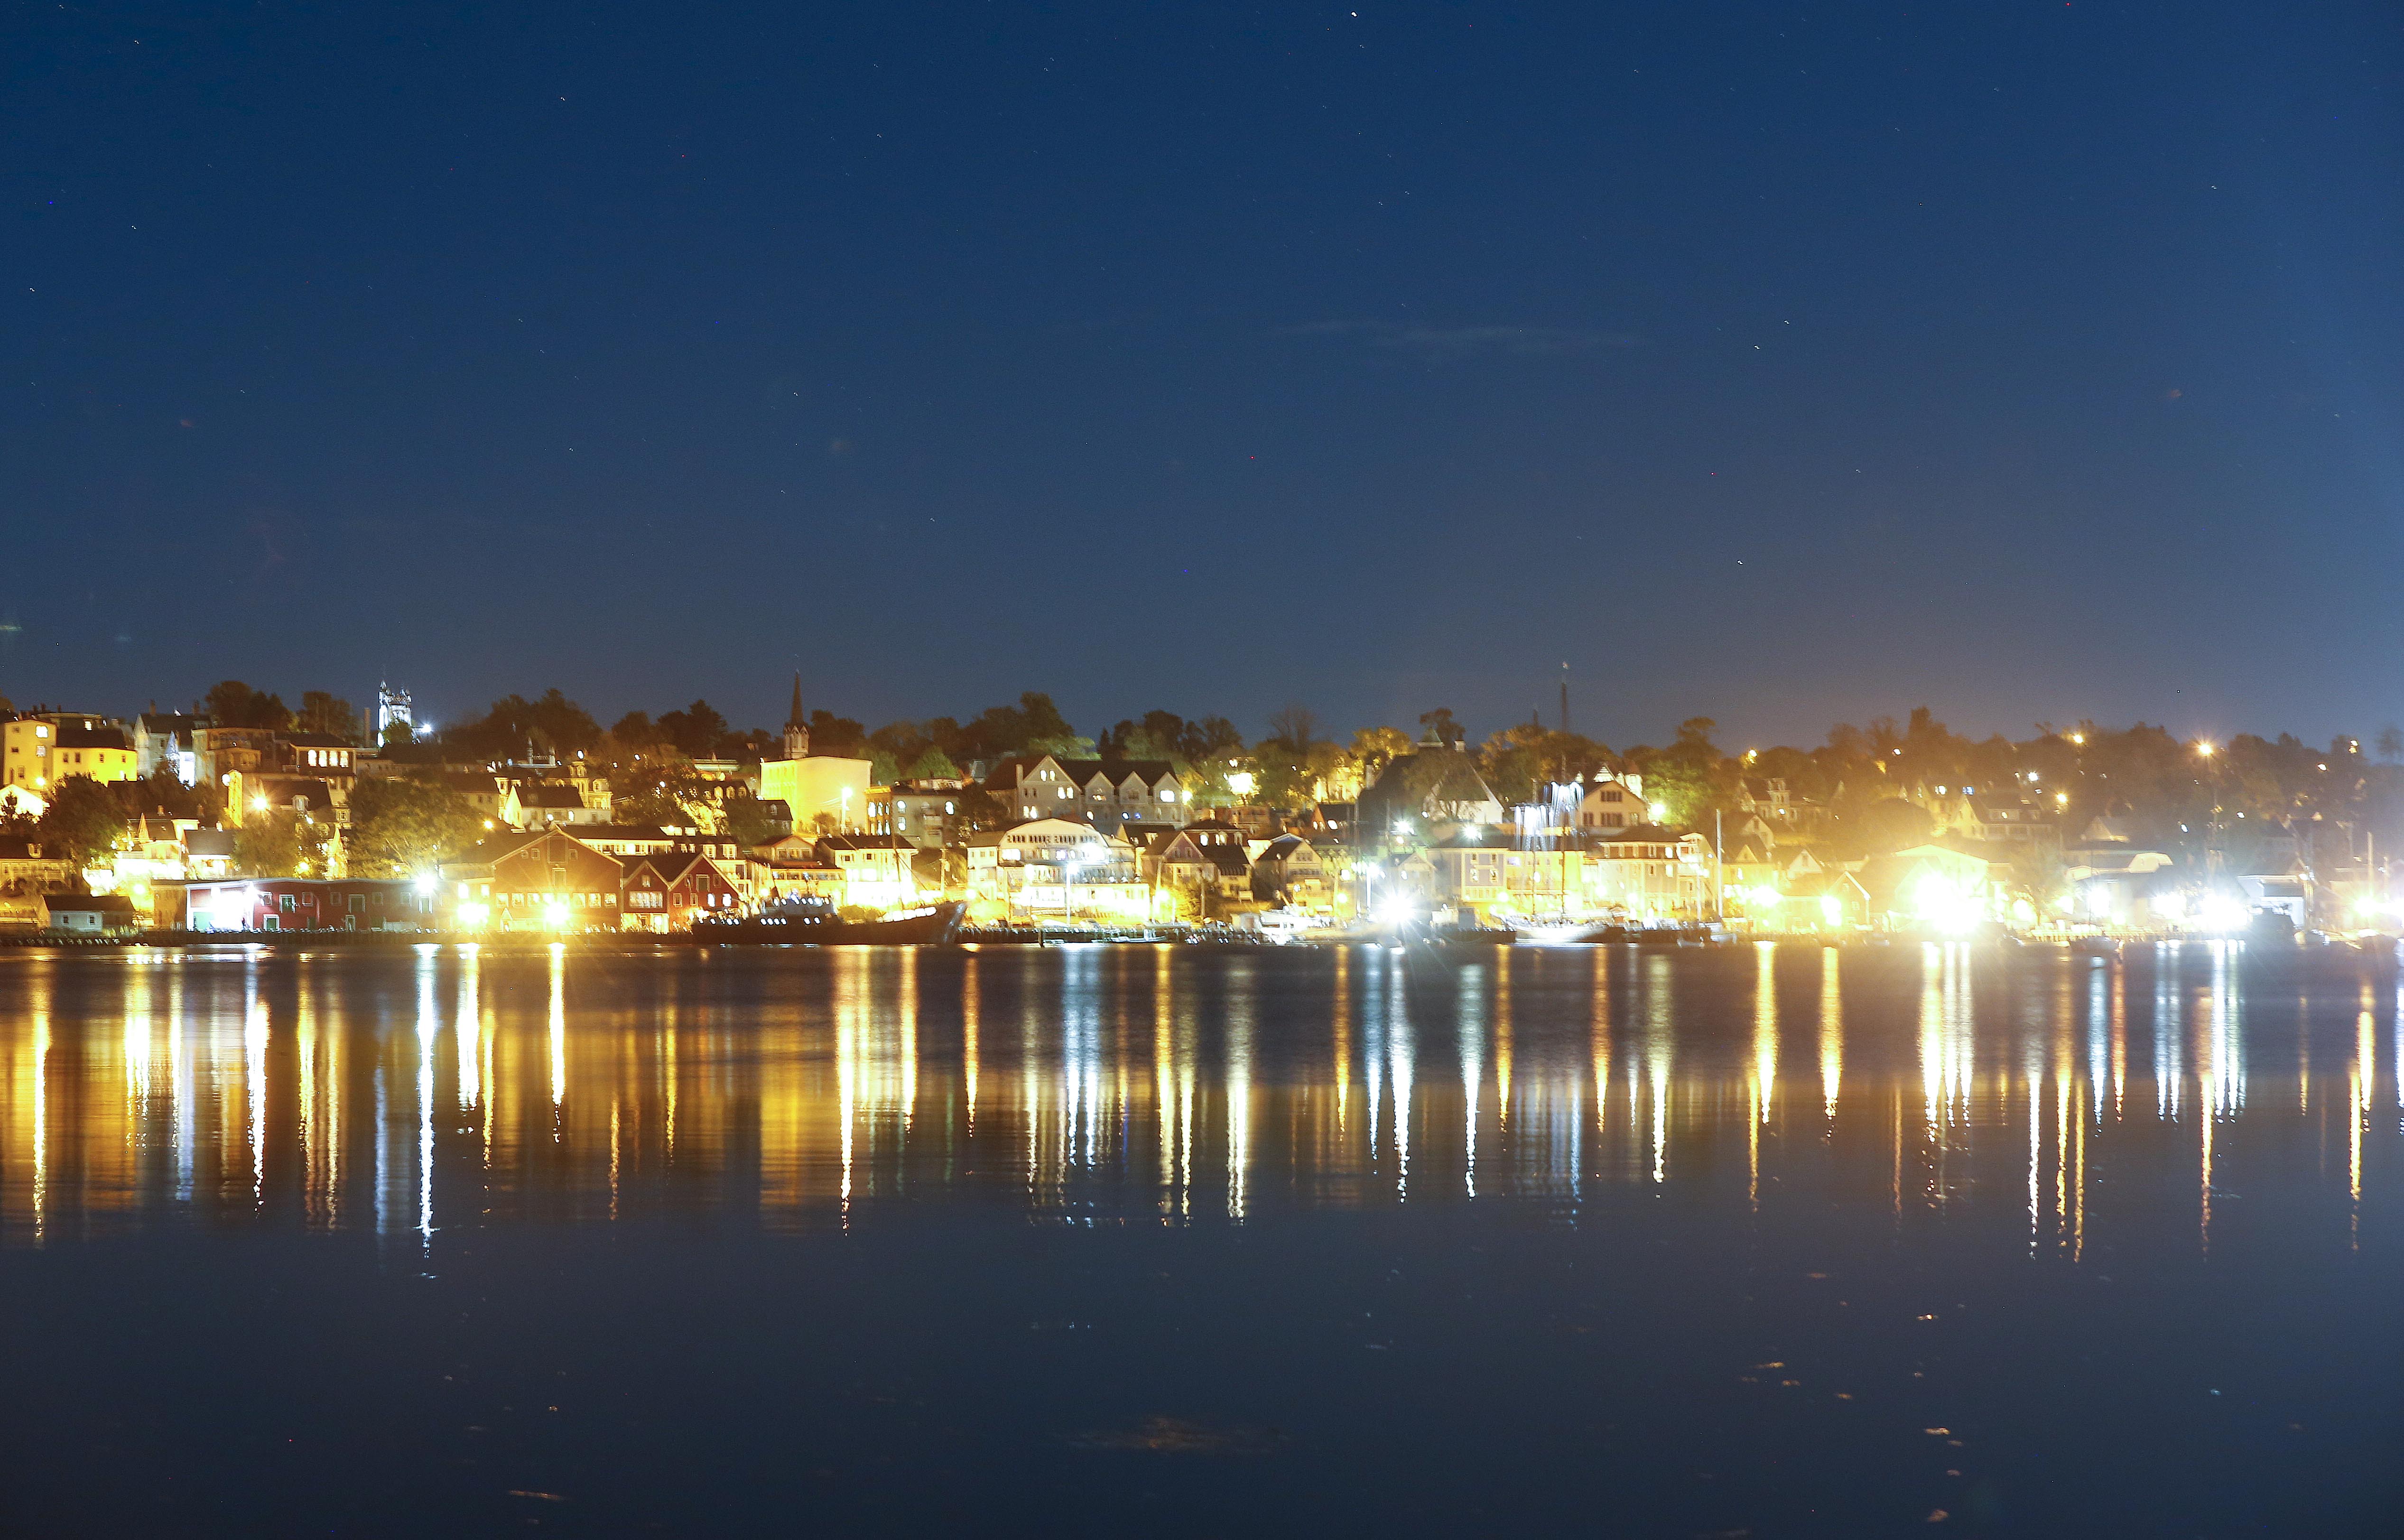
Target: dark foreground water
(1105, 1241)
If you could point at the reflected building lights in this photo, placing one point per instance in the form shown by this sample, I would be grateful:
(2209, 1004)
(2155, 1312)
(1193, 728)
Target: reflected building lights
(1598, 1035)
(1400, 1047)
(1472, 1056)
(1832, 1033)
(1659, 1032)
(558, 1043)
(254, 1088)
(430, 1030)
(971, 1025)
(825, 1097)
(1503, 1040)
(1765, 1027)
(1239, 1084)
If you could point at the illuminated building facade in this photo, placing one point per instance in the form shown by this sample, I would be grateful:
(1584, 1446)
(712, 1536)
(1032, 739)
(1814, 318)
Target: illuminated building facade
(877, 869)
(1108, 794)
(392, 710)
(670, 890)
(1056, 866)
(297, 903)
(162, 738)
(546, 881)
(27, 745)
(1648, 872)
(102, 754)
(827, 794)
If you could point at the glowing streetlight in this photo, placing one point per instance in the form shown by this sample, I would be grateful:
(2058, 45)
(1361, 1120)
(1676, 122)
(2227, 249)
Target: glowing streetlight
(1243, 782)
(2204, 748)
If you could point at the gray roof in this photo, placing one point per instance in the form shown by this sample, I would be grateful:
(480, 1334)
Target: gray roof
(1079, 772)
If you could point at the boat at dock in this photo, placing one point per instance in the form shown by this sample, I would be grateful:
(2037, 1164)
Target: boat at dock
(817, 924)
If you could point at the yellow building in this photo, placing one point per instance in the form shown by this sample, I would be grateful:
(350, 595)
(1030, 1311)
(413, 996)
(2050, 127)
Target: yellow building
(827, 794)
(38, 752)
(26, 746)
(100, 753)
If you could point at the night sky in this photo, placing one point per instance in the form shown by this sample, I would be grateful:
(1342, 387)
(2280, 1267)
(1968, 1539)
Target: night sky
(1783, 364)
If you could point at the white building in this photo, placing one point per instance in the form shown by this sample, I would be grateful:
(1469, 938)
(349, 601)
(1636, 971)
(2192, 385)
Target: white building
(1106, 793)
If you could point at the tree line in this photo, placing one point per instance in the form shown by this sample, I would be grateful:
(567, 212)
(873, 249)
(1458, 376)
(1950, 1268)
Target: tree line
(1868, 782)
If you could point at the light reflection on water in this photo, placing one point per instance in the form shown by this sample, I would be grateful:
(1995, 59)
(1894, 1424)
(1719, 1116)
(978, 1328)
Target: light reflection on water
(453, 1087)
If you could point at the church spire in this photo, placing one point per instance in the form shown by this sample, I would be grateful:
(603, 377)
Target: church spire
(797, 727)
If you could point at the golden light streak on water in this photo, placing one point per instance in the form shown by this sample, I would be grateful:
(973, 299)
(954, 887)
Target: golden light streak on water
(1341, 1036)
(1399, 1067)
(1660, 1033)
(2078, 1193)
(1471, 1057)
(2304, 1056)
(1896, 1176)
(2064, 1081)
(181, 1114)
(2366, 1052)
(558, 1030)
(467, 1029)
(2357, 1113)
(306, 1048)
(140, 1021)
(848, 1009)
(254, 1095)
(1765, 1026)
(1502, 1040)
(2036, 1111)
(429, 1028)
(1832, 1033)
(34, 1093)
(1931, 1032)
(671, 1076)
(971, 1027)
(1753, 1148)
(1239, 1084)
(1163, 1077)
(909, 1013)
(2119, 1038)
(1599, 1036)
(1659, 1089)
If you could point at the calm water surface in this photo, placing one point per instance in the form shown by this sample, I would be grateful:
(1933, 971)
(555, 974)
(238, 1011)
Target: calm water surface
(1782, 1241)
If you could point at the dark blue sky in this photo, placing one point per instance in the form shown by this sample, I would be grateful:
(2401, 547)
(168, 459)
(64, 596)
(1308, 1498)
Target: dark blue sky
(1782, 364)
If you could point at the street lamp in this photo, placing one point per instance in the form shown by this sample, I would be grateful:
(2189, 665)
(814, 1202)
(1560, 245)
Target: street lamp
(1069, 865)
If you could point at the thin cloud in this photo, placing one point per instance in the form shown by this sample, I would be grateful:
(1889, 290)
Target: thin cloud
(1469, 341)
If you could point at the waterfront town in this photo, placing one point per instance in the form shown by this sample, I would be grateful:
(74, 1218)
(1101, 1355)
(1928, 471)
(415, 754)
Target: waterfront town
(241, 814)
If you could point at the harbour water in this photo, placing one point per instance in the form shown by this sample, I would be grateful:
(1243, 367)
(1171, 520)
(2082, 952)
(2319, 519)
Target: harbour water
(1759, 1241)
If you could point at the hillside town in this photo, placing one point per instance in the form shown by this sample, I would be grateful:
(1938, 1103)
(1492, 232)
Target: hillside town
(241, 815)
